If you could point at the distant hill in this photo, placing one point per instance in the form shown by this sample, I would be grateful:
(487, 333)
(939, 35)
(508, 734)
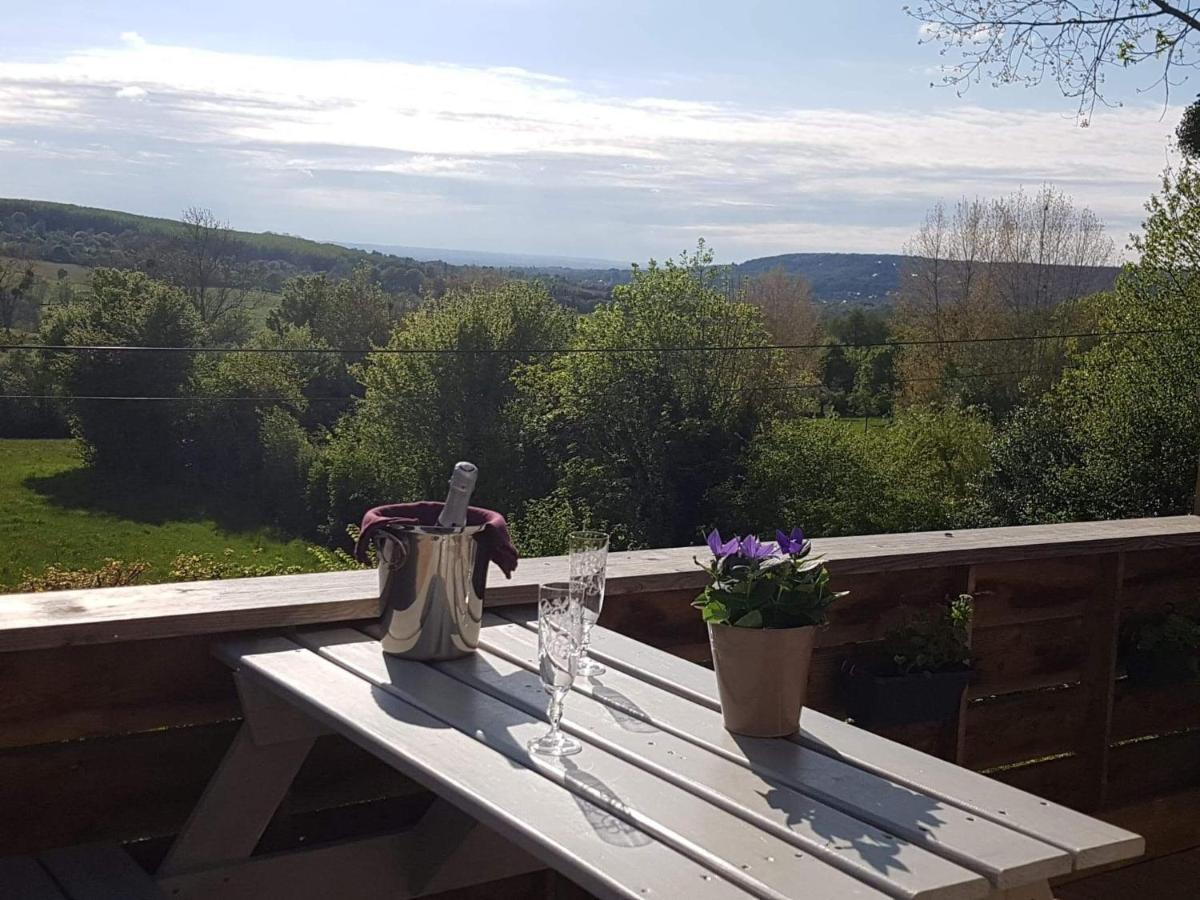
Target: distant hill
(850, 277)
(65, 234)
(868, 278)
(496, 260)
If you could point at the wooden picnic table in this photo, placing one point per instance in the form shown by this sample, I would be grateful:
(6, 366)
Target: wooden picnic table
(661, 802)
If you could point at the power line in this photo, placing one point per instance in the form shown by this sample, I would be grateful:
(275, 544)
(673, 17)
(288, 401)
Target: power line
(513, 351)
(195, 398)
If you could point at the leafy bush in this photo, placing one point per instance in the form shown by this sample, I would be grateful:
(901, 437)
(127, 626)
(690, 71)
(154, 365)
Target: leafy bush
(206, 567)
(640, 438)
(935, 643)
(921, 472)
(421, 412)
(114, 573)
(756, 584)
(132, 439)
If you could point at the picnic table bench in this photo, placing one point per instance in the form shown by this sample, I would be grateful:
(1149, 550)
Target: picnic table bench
(662, 802)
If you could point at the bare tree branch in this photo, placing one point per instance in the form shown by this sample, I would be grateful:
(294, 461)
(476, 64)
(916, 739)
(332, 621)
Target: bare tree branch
(1072, 42)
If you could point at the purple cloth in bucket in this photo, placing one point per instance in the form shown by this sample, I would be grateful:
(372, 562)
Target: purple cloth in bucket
(493, 538)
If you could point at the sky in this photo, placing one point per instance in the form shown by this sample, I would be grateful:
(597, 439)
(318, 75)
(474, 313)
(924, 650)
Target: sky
(616, 130)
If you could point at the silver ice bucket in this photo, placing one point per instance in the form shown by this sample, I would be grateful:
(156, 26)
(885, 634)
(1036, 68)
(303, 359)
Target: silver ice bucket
(431, 583)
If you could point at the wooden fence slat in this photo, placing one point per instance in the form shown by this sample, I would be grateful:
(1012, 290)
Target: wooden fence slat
(1020, 593)
(1061, 780)
(1099, 675)
(141, 785)
(1013, 728)
(103, 689)
(1148, 768)
(1026, 657)
(1158, 579)
(1145, 710)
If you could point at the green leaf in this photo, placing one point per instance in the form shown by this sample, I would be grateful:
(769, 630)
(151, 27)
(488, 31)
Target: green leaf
(752, 619)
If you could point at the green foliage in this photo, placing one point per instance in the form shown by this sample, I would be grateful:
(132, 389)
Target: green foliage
(921, 472)
(209, 567)
(935, 643)
(1187, 134)
(255, 448)
(640, 437)
(126, 308)
(113, 573)
(352, 312)
(1117, 436)
(783, 590)
(25, 372)
(423, 411)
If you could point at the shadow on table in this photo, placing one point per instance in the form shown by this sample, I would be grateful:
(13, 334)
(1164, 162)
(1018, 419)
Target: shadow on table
(876, 845)
(624, 711)
(611, 828)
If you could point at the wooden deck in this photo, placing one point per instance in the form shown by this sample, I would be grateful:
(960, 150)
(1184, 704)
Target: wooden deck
(115, 714)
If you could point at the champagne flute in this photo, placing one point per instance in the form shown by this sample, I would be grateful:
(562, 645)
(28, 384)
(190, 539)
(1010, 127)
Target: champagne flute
(560, 633)
(588, 567)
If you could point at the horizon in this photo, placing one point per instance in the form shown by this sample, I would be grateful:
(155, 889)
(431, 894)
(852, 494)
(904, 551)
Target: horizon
(529, 128)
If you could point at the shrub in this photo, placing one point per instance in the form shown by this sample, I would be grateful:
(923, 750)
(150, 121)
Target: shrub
(114, 573)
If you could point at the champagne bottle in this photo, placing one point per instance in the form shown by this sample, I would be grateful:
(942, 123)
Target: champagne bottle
(462, 483)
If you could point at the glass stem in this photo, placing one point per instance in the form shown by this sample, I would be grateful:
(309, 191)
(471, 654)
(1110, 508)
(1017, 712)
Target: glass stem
(554, 712)
(585, 644)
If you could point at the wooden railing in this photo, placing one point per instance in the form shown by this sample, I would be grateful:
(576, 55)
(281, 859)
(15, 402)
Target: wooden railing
(114, 714)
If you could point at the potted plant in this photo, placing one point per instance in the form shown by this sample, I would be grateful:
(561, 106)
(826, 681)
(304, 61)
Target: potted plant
(762, 605)
(1162, 650)
(925, 669)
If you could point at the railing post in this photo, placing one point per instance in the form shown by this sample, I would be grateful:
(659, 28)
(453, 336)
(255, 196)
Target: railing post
(958, 733)
(1102, 619)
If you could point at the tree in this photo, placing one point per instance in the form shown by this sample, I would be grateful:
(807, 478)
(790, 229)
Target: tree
(788, 312)
(921, 472)
(123, 308)
(993, 269)
(16, 280)
(352, 312)
(205, 261)
(422, 411)
(1072, 43)
(1117, 436)
(640, 425)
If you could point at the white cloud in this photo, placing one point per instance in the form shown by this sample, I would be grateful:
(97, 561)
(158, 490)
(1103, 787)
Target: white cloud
(543, 159)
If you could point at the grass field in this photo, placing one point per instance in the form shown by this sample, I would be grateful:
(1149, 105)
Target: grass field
(53, 512)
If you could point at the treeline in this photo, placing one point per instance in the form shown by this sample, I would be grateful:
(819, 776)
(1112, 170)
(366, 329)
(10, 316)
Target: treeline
(682, 403)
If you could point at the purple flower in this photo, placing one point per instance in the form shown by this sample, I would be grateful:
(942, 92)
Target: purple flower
(753, 548)
(721, 549)
(791, 543)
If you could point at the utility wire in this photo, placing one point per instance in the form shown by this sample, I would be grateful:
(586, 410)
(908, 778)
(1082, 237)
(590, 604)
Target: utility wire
(797, 385)
(508, 351)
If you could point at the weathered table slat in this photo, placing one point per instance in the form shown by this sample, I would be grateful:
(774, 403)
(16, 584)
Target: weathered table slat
(562, 829)
(1090, 841)
(868, 853)
(1007, 858)
(759, 861)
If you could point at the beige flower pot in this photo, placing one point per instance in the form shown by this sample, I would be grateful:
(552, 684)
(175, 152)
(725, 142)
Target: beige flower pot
(762, 677)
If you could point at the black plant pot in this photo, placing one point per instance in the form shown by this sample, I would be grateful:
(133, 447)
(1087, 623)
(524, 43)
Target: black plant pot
(874, 699)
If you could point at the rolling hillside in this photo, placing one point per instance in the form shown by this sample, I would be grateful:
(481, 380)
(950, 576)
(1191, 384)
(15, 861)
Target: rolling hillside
(61, 234)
